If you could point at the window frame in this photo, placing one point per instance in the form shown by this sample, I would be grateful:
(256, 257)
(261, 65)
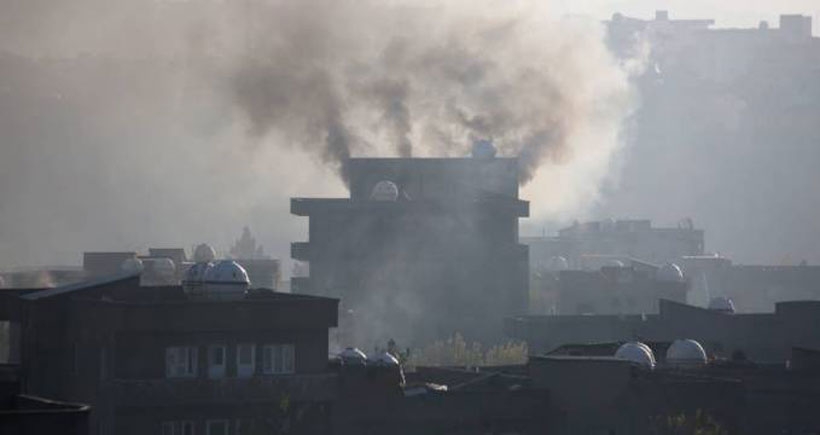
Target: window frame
(279, 359)
(217, 371)
(245, 370)
(223, 421)
(185, 356)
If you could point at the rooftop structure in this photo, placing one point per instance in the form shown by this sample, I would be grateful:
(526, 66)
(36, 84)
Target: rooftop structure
(762, 337)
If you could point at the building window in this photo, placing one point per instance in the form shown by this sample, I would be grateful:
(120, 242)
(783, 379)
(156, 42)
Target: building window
(216, 427)
(180, 361)
(178, 428)
(216, 361)
(103, 364)
(245, 357)
(278, 359)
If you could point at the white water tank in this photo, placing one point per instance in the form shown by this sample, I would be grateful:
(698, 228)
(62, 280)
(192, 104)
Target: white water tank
(131, 265)
(352, 356)
(686, 353)
(669, 272)
(385, 190)
(384, 359)
(204, 253)
(226, 280)
(638, 353)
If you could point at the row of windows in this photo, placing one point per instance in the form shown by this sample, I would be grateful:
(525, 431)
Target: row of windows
(182, 361)
(212, 427)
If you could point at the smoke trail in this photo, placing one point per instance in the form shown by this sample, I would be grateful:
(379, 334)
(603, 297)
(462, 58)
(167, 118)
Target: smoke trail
(347, 78)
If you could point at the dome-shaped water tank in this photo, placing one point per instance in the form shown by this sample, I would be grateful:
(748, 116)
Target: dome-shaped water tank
(686, 354)
(557, 264)
(194, 280)
(385, 190)
(225, 280)
(163, 266)
(638, 353)
(131, 265)
(722, 304)
(669, 272)
(353, 357)
(615, 263)
(204, 253)
(384, 359)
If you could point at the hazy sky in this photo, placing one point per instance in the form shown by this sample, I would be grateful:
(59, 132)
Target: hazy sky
(732, 13)
(135, 155)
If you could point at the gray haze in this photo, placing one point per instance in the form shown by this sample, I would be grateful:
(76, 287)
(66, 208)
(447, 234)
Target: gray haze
(167, 123)
(143, 123)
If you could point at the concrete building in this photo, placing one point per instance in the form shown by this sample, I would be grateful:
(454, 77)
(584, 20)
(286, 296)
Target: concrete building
(212, 356)
(592, 244)
(615, 289)
(157, 360)
(764, 337)
(421, 249)
(752, 288)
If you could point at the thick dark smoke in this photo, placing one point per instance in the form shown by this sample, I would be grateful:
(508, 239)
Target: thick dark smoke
(136, 123)
(348, 78)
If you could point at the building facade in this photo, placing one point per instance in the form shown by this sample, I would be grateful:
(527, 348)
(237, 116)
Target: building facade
(150, 360)
(423, 248)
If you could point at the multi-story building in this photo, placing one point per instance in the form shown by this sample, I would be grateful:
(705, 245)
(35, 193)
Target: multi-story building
(617, 289)
(584, 245)
(165, 360)
(421, 249)
(762, 337)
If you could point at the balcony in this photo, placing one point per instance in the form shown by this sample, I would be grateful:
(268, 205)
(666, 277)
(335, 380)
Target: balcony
(172, 392)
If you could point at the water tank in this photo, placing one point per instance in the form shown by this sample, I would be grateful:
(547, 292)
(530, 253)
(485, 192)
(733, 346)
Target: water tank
(131, 265)
(204, 253)
(669, 272)
(194, 280)
(686, 353)
(638, 353)
(615, 263)
(385, 190)
(226, 280)
(352, 356)
(164, 267)
(557, 264)
(722, 304)
(384, 359)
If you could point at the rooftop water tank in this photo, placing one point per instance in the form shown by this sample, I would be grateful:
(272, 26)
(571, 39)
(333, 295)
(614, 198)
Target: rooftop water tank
(638, 353)
(722, 304)
(384, 359)
(353, 357)
(686, 353)
(193, 283)
(557, 264)
(226, 280)
(385, 190)
(669, 272)
(131, 265)
(204, 253)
